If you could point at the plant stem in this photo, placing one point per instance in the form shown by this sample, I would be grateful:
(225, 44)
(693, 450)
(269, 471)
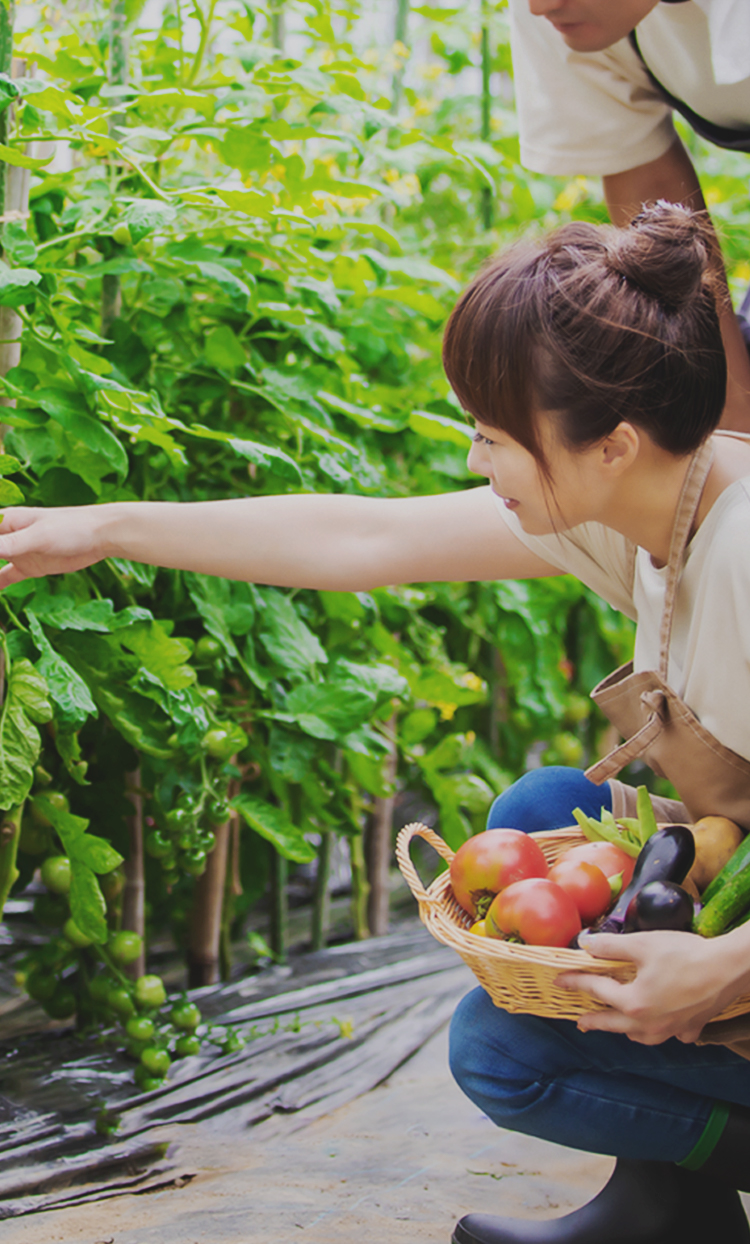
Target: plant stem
(321, 903)
(10, 832)
(360, 888)
(279, 925)
(486, 106)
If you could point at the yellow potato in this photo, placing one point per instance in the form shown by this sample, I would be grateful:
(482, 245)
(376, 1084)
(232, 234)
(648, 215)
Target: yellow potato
(716, 840)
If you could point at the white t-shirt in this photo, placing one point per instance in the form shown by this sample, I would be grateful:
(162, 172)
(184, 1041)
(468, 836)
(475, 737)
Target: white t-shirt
(597, 113)
(709, 659)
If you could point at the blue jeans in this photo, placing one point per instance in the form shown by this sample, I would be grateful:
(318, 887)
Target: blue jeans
(595, 1091)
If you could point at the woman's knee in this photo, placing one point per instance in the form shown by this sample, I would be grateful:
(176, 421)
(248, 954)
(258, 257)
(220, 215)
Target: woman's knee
(468, 1035)
(544, 799)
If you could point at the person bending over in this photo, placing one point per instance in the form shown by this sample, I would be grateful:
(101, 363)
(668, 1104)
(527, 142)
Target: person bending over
(592, 363)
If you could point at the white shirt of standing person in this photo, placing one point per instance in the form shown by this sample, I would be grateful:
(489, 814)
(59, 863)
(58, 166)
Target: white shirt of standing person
(599, 113)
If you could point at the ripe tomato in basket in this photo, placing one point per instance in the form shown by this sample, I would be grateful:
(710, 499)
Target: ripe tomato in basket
(535, 911)
(586, 884)
(489, 862)
(607, 856)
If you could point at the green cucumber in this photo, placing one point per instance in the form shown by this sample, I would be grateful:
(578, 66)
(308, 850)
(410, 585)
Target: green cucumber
(734, 865)
(726, 905)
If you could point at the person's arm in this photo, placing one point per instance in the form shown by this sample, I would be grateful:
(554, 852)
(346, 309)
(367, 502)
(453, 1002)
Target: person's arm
(333, 542)
(682, 982)
(673, 177)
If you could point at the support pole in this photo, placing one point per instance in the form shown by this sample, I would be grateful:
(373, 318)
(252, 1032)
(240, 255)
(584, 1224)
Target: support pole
(378, 846)
(134, 892)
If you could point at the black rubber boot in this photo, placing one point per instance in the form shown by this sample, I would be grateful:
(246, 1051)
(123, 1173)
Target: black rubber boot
(643, 1203)
(729, 1161)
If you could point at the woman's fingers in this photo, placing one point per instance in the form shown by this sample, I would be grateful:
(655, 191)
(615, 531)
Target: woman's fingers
(603, 988)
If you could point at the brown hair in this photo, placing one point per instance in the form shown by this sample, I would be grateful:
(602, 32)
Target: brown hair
(598, 325)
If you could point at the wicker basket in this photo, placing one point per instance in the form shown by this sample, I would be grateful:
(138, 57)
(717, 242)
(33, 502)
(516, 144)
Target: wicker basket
(517, 978)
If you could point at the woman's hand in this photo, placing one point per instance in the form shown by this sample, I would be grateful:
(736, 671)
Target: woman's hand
(37, 542)
(682, 982)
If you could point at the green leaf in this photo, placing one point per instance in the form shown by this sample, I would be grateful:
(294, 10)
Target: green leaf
(327, 710)
(162, 656)
(223, 349)
(148, 216)
(66, 687)
(274, 825)
(66, 614)
(285, 637)
(9, 465)
(26, 705)
(9, 493)
(11, 155)
(268, 457)
(440, 428)
(17, 285)
(87, 905)
(69, 749)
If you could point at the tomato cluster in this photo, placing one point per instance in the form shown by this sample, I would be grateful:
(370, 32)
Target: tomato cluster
(502, 879)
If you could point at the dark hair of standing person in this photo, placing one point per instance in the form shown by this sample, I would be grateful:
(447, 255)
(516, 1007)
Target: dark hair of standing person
(596, 324)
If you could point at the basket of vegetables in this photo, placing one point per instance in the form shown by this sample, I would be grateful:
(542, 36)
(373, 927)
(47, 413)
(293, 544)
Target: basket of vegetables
(512, 904)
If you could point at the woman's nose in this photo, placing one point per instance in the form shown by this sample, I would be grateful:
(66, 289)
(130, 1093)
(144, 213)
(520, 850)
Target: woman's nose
(477, 460)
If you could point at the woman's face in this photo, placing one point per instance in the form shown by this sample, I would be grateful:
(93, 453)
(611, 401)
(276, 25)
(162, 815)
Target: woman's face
(572, 496)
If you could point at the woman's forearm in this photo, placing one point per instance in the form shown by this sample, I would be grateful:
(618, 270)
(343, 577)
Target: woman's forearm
(322, 541)
(334, 542)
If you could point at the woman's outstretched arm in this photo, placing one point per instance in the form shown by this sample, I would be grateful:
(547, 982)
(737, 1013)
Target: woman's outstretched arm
(333, 542)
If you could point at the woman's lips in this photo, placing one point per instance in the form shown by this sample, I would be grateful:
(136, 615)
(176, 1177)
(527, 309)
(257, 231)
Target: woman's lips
(510, 503)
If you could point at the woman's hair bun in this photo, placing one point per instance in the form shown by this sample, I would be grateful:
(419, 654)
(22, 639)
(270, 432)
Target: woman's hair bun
(666, 251)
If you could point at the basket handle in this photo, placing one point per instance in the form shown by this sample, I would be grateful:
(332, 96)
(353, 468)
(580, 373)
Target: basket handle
(417, 830)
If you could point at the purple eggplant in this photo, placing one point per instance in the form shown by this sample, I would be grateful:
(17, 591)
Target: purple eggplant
(659, 905)
(668, 855)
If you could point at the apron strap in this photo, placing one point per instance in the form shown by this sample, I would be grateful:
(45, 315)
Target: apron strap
(687, 505)
(635, 746)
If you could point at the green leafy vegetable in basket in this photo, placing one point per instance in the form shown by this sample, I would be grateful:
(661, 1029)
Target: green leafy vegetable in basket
(630, 833)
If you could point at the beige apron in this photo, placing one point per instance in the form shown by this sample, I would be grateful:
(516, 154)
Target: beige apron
(660, 729)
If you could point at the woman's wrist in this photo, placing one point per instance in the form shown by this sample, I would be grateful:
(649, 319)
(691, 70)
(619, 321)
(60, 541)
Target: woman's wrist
(732, 958)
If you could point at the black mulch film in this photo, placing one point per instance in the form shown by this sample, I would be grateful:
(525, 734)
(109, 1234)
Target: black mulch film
(322, 1030)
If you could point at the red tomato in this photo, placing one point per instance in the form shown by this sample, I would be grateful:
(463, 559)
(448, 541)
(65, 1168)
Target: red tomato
(606, 856)
(489, 862)
(586, 884)
(535, 911)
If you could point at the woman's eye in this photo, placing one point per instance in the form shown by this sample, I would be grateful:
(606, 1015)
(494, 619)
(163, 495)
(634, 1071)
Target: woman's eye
(478, 439)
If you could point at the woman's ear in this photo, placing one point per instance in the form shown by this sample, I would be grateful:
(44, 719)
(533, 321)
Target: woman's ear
(620, 449)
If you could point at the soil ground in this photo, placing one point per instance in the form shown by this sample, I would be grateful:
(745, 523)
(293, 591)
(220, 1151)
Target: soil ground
(398, 1164)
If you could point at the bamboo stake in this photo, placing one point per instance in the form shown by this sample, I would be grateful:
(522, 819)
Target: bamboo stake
(400, 31)
(278, 25)
(204, 952)
(118, 76)
(378, 845)
(279, 921)
(321, 912)
(486, 109)
(134, 892)
(14, 204)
